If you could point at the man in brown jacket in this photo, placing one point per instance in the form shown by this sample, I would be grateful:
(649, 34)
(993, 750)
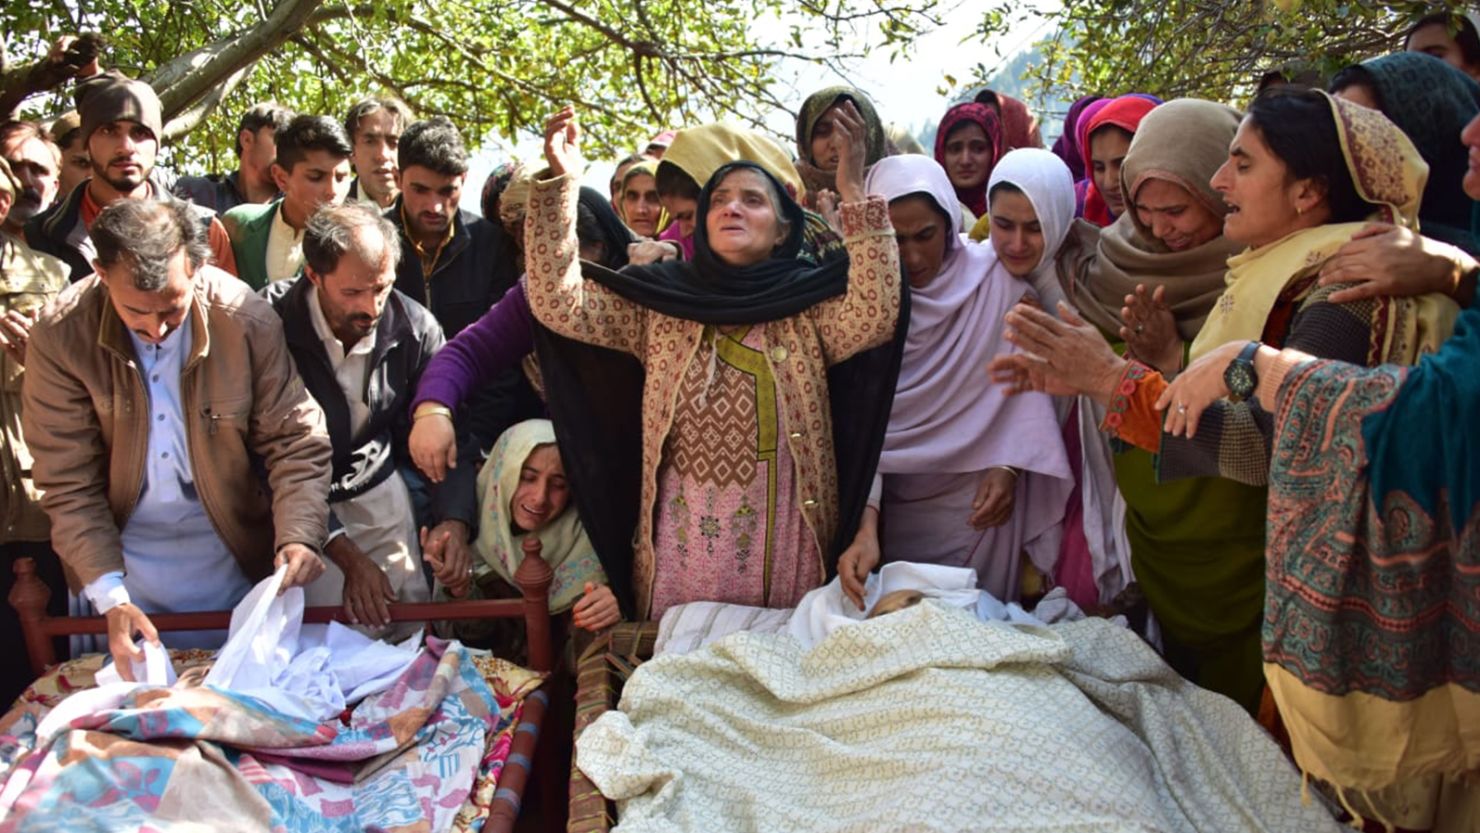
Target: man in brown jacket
(155, 393)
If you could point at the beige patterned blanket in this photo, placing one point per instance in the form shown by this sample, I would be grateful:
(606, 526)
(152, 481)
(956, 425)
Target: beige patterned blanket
(928, 720)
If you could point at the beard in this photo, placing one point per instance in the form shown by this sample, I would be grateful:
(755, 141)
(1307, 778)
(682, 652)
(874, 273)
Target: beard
(122, 182)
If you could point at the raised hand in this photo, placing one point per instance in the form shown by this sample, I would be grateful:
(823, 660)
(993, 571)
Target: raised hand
(563, 143)
(1195, 389)
(850, 139)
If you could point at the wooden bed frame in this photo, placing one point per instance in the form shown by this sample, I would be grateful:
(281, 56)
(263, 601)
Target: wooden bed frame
(29, 597)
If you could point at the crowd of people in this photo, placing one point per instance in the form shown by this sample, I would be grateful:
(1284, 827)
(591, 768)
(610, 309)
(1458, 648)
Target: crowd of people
(1205, 368)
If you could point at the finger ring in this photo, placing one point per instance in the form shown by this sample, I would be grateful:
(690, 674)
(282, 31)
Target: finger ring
(1139, 328)
(1181, 409)
(470, 571)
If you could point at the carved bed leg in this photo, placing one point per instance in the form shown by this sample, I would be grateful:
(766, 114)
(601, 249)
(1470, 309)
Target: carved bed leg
(534, 577)
(29, 597)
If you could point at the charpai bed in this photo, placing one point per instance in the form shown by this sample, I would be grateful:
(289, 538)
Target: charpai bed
(601, 671)
(451, 744)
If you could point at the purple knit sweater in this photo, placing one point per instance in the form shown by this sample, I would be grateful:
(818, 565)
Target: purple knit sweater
(496, 342)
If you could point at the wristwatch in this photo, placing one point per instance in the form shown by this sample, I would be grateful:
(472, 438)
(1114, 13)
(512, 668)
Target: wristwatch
(1239, 376)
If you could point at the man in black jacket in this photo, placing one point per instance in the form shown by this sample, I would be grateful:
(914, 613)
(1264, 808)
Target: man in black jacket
(361, 347)
(454, 262)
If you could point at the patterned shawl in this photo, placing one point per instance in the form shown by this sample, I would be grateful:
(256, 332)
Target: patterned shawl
(1431, 102)
(564, 544)
(1372, 624)
(1182, 142)
(975, 199)
(1388, 172)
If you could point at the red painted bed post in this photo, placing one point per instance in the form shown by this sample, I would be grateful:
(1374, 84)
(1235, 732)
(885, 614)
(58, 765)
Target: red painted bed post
(534, 577)
(29, 596)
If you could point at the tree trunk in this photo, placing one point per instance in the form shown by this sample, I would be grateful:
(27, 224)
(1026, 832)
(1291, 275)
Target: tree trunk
(193, 85)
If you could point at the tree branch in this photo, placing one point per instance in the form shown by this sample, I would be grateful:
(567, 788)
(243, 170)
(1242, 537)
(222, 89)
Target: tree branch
(194, 75)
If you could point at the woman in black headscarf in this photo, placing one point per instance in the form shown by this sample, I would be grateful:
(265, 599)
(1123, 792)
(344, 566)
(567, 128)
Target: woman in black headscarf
(764, 390)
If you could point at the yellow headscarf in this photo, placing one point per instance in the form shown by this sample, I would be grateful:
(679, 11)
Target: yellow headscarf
(1388, 172)
(700, 151)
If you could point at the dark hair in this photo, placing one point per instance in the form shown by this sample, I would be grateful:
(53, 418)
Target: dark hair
(434, 144)
(1357, 75)
(23, 130)
(1456, 24)
(65, 140)
(588, 230)
(1299, 127)
(144, 235)
(940, 213)
(260, 116)
(401, 114)
(1129, 136)
(1008, 187)
(334, 230)
(306, 133)
(673, 181)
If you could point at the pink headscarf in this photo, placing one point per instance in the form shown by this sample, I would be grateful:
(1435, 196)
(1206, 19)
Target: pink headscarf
(980, 114)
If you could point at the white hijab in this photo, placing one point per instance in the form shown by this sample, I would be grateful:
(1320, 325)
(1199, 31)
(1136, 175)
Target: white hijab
(948, 416)
(1045, 180)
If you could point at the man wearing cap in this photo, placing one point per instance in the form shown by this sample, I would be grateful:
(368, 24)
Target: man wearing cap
(252, 181)
(28, 280)
(179, 456)
(121, 127)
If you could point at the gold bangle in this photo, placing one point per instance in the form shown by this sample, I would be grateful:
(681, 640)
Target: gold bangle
(1009, 469)
(431, 410)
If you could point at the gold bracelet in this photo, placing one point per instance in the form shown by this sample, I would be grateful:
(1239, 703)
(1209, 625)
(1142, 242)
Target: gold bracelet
(1009, 469)
(430, 410)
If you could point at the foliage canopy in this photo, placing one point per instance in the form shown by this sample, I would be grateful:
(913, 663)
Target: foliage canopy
(632, 66)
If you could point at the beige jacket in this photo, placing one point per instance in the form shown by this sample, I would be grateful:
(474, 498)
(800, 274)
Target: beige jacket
(86, 413)
(799, 349)
(28, 280)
